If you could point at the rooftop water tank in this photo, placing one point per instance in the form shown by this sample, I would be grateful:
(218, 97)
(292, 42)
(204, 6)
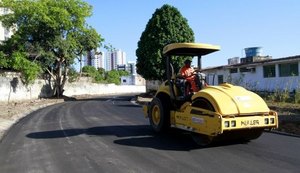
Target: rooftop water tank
(234, 60)
(253, 51)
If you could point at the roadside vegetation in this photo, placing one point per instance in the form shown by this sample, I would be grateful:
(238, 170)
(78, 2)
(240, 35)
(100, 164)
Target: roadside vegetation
(101, 76)
(287, 105)
(284, 96)
(283, 101)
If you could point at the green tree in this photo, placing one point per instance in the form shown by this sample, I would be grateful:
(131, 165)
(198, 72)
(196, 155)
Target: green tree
(101, 72)
(50, 34)
(3, 61)
(91, 71)
(166, 26)
(30, 70)
(123, 73)
(113, 77)
(87, 43)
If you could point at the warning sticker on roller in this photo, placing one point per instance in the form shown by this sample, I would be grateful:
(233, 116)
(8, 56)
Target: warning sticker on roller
(198, 120)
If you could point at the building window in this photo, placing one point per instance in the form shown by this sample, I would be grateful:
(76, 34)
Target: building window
(269, 71)
(288, 70)
(245, 69)
(233, 70)
(220, 79)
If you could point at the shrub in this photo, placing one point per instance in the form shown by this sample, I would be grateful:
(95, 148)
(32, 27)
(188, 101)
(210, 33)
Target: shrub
(297, 95)
(113, 77)
(29, 70)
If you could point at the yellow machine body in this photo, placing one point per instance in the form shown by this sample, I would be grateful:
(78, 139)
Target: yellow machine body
(235, 109)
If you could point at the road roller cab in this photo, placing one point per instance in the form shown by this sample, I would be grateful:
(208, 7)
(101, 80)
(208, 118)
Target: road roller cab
(210, 113)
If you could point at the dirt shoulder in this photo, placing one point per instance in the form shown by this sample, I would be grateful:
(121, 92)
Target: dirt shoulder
(12, 109)
(12, 112)
(289, 117)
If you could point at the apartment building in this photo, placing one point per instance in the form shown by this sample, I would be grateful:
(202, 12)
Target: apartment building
(5, 33)
(115, 58)
(96, 59)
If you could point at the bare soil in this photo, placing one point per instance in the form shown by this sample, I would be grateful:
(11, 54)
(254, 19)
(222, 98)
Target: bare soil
(12, 110)
(289, 116)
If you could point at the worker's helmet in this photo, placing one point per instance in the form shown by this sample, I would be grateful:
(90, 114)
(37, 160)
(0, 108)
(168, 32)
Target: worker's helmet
(187, 61)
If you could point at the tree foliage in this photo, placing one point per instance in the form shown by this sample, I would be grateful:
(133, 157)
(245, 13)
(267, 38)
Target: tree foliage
(92, 72)
(30, 70)
(18, 61)
(99, 75)
(49, 33)
(166, 26)
(4, 61)
(113, 77)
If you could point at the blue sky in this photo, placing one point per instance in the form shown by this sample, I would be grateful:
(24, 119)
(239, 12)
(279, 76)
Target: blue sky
(273, 25)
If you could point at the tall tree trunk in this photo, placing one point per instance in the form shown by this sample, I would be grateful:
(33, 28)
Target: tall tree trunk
(60, 78)
(80, 62)
(64, 78)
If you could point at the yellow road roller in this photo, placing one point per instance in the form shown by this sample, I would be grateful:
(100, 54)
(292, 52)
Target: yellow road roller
(210, 113)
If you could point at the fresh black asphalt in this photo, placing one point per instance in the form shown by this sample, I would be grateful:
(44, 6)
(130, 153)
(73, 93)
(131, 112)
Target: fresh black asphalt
(110, 134)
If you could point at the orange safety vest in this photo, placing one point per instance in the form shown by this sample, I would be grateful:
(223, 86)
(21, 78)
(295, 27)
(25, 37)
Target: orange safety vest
(187, 73)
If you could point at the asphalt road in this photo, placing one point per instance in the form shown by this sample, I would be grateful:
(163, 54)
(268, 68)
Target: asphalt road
(111, 135)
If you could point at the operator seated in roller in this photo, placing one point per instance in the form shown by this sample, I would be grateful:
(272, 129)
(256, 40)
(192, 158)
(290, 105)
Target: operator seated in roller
(194, 79)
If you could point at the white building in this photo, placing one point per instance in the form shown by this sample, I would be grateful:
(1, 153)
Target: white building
(262, 75)
(115, 58)
(131, 67)
(5, 33)
(96, 59)
(133, 80)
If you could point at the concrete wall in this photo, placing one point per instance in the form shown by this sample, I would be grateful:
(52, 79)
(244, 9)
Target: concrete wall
(87, 87)
(12, 88)
(152, 84)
